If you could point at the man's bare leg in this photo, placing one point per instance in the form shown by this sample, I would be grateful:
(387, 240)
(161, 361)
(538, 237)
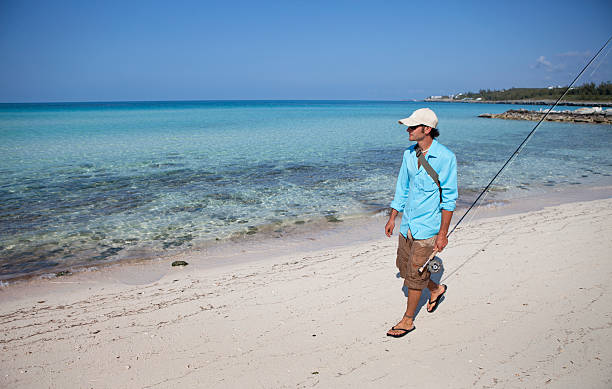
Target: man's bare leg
(435, 290)
(414, 295)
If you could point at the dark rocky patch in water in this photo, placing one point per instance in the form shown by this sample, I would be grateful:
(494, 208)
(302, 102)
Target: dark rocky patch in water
(177, 241)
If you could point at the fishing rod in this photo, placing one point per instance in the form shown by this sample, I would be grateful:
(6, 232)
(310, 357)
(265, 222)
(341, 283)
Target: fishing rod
(435, 265)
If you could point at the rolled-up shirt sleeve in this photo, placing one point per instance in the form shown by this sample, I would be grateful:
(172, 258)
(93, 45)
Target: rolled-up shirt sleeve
(401, 187)
(448, 183)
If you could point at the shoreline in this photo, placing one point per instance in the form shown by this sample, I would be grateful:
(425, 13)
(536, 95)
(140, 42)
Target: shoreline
(303, 240)
(288, 230)
(516, 314)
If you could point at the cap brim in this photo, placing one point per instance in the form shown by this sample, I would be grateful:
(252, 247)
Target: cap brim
(410, 122)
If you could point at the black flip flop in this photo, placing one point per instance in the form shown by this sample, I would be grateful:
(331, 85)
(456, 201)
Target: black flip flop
(437, 301)
(401, 329)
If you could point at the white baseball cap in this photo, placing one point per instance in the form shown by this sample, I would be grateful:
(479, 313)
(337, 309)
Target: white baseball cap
(422, 116)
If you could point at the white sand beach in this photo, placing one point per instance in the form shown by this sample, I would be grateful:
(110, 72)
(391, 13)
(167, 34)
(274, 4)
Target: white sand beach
(529, 305)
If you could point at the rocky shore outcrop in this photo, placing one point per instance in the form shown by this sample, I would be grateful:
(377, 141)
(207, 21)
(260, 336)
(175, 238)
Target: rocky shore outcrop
(582, 115)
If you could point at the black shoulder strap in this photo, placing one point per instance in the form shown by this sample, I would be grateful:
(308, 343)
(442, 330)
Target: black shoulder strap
(432, 173)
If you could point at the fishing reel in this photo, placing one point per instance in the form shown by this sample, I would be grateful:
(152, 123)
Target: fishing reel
(434, 265)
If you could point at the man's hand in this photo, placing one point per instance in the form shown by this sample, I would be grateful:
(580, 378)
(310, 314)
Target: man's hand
(441, 242)
(391, 223)
(389, 227)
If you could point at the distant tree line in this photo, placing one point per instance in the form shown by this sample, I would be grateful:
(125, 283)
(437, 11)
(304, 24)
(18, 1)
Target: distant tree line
(587, 92)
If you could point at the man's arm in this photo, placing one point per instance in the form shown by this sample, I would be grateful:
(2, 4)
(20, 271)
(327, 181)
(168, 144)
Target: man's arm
(441, 240)
(391, 223)
(448, 182)
(400, 198)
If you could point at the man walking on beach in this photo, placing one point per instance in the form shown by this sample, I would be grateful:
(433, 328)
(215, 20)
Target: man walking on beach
(427, 211)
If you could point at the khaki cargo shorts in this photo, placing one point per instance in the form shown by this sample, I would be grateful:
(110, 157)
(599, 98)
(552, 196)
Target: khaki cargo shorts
(411, 255)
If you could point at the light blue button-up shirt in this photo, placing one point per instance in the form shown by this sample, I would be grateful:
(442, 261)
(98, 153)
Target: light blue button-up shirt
(417, 195)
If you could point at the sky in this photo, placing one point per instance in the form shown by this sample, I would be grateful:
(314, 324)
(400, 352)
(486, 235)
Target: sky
(61, 50)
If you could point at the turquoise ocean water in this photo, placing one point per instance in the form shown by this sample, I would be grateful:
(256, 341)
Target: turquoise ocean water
(89, 183)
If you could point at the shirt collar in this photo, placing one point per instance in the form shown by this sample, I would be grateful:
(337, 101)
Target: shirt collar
(434, 149)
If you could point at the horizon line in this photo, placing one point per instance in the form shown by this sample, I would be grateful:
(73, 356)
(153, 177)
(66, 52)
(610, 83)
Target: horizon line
(204, 100)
